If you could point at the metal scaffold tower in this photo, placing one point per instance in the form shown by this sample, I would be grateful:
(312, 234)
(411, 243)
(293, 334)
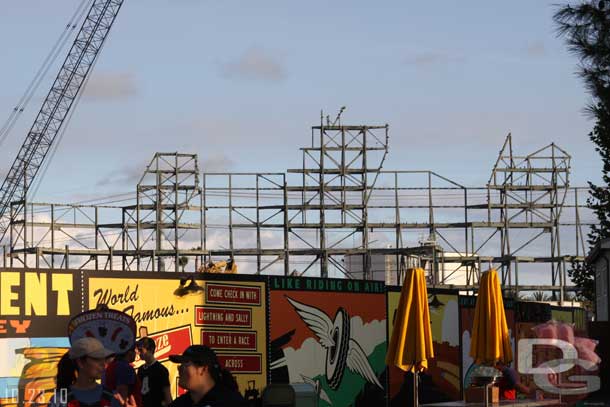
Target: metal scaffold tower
(339, 172)
(167, 214)
(339, 215)
(529, 193)
(158, 233)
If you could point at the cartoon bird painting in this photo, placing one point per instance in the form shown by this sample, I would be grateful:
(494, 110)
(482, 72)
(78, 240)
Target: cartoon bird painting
(317, 388)
(341, 349)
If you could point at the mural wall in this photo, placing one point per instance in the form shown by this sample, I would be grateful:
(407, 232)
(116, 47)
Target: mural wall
(230, 316)
(35, 308)
(467, 307)
(331, 334)
(442, 381)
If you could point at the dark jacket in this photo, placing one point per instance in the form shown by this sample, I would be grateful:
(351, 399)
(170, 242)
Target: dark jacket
(217, 397)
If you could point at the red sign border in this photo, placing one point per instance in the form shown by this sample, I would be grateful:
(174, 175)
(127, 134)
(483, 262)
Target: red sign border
(224, 308)
(241, 350)
(258, 287)
(260, 356)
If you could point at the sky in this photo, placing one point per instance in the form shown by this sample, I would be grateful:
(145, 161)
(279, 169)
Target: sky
(240, 83)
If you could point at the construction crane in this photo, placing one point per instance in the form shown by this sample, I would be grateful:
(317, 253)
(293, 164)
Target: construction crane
(56, 106)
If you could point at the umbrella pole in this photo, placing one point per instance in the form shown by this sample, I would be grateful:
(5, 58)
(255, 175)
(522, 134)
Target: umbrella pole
(486, 395)
(415, 389)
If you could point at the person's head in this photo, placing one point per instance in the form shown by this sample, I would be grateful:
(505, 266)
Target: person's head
(200, 370)
(146, 349)
(501, 365)
(87, 356)
(129, 356)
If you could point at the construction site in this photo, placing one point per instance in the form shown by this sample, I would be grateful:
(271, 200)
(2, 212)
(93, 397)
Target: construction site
(342, 215)
(271, 246)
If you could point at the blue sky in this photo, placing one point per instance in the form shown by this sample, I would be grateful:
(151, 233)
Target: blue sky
(241, 82)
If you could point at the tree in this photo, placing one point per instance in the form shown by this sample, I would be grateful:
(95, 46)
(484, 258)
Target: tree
(182, 262)
(586, 29)
(541, 296)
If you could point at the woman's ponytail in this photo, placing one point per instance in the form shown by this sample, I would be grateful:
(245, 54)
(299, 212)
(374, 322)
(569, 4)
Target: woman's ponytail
(227, 379)
(66, 372)
(221, 375)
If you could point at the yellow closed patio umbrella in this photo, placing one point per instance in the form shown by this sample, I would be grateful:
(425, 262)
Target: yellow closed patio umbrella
(490, 341)
(411, 342)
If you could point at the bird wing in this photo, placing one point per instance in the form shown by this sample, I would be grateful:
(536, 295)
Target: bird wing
(357, 362)
(325, 397)
(316, 320)
(308, 380)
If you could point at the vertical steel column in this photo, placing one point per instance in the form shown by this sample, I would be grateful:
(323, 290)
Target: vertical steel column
(366, 263)
(322, 221)
(53, 238)
(258, 227)
(176, 214)
(286, 228)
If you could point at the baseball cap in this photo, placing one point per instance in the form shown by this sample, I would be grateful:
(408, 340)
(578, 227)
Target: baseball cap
(198, 354)
(88, 346)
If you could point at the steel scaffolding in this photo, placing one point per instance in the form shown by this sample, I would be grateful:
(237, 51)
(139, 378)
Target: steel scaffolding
(339, 204)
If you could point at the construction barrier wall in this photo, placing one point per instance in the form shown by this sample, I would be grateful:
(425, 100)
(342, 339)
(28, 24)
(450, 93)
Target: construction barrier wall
(442, 380)
(229, 314)
(330, 333)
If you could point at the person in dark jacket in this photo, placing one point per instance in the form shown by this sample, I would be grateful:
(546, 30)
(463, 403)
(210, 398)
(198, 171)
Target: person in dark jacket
(153, 376)
(208, 383)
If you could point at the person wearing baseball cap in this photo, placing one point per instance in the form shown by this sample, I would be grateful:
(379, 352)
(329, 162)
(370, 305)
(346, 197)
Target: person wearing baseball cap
(77, 374)
(208, 383)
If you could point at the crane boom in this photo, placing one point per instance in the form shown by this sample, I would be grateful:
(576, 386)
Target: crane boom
(56, 106)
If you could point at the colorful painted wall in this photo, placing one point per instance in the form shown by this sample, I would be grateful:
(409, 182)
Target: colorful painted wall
(443, 376)
(35, 308)
(530, 314)
(331, 334)
(467, 306)
(229, 315)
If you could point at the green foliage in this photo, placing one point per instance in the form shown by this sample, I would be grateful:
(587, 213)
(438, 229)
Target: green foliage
(586, 29)
(541, 296)
(582, 276)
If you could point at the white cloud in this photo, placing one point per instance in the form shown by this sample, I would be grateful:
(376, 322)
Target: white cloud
(368, 336)
(427, 59)
(217, 163)
(450, 325)
(255, 64)
(535, 49)
(12, 363)
(110, 86)
(127, 176)
(309, 360)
